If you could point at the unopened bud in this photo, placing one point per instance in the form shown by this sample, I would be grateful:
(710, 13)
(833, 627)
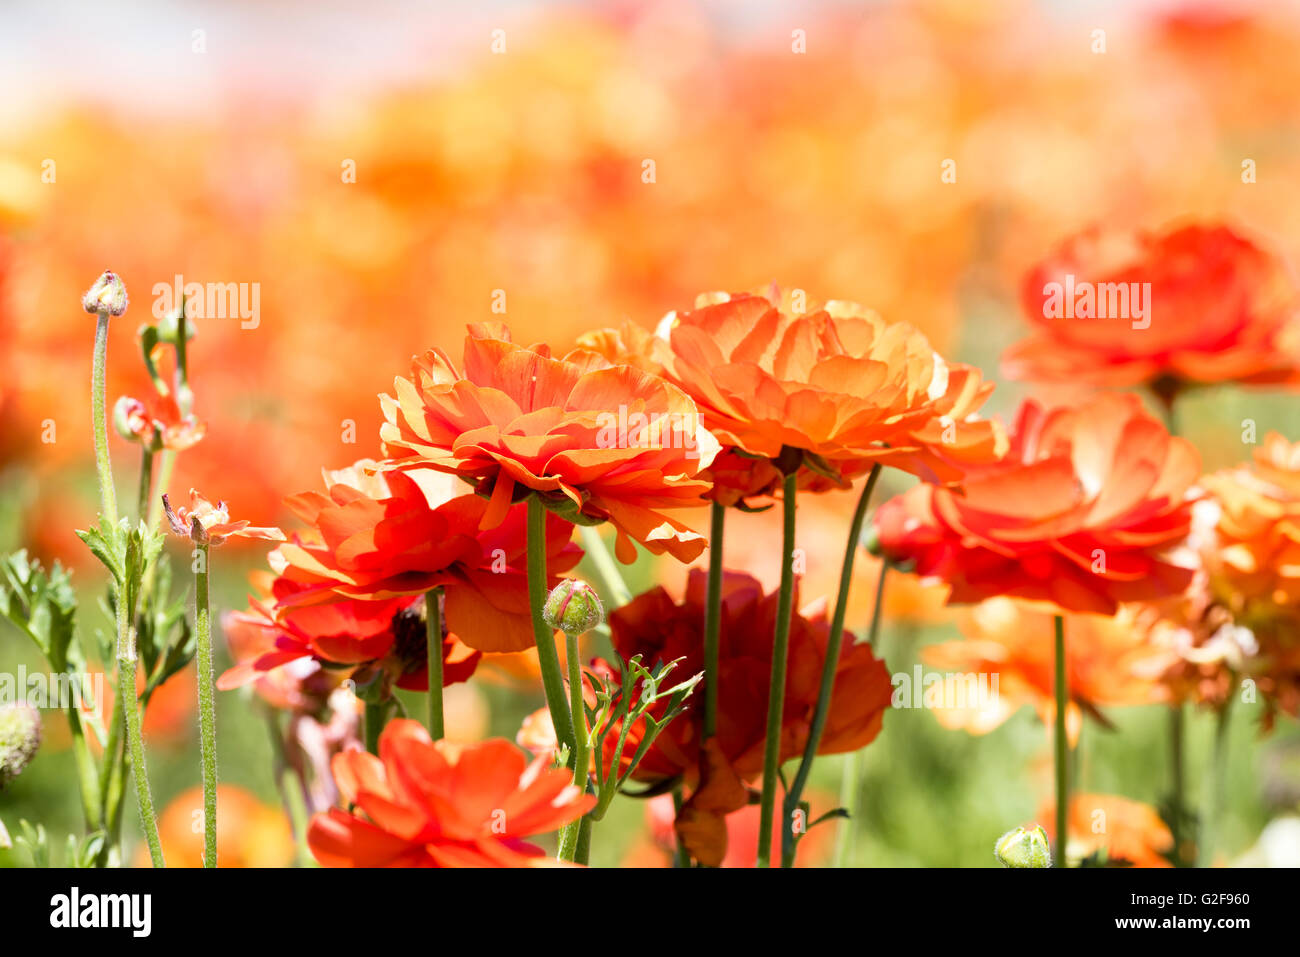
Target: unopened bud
(1024, 847)
(107, 295)
(20, 736)
(573, 607)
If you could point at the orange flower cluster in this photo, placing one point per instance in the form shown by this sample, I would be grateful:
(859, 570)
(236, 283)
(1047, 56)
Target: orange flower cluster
(1084, 512)
(659, 628)
(436, 804)
(1128, 833)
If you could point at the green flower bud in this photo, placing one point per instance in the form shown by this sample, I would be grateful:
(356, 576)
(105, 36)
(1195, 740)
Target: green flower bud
(1024, 847)
(108, 294)
(573, 607)
(20, 736)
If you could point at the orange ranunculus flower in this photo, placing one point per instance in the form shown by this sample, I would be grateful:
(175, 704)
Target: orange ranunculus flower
(658, 628)
(353, 637)
(382, 536)
(1085, 511)
(1217, 309)
(249, 833)
(1242, 616)
(438, 804)
(598, 441)
(209, 524)
(837, 384)
(1129, 832)
(1110, 661)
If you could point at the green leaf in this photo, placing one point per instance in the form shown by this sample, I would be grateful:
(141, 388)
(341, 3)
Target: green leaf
(42, 606)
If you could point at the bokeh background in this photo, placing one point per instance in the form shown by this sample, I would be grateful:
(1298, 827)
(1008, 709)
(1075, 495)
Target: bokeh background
(501, 148)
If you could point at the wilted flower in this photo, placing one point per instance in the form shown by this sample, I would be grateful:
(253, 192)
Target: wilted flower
(208, 524)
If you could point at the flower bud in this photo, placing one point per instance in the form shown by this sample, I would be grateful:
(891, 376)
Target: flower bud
(107, 295)
(1024, 847)
(20, 736)
(573, 607)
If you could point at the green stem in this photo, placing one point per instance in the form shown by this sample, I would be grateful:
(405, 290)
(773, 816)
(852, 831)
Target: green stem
(88, 777)
(776, 689)
(713, 620)
(1178, 799)
(849, 793)
(375, 717)
(103, 467)
(207, 707)
(547, 657)
(110, 784)
(1062, 747)
(611, 579)
(128, 701)
(146, 483)
(433, 624)
(569, 834)
(1216, 779)
(829, 666)
(167, 462)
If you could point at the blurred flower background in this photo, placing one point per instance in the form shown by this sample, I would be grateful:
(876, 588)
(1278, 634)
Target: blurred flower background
(387, 172)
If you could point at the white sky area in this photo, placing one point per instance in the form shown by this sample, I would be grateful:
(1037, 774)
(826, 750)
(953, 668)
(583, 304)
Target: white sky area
(137, 54)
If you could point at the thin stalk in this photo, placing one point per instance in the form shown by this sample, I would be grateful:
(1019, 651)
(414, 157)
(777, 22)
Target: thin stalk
(99, 416)
(1216, 779)
(713, 619)
(570, 832)
(547, 657)
(611, 579)
(375, 715)
(110, 783)
(776, 689)
(207, 707)
(829, 667)
(146, 482)
(848, 801)
(433, 624)
(88, 778)
(1178, 773)
(1062, 757)
(126, 657)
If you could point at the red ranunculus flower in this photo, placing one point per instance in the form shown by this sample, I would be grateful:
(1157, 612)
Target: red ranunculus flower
(1196, 304)
(424, 803)
(381, 536)
(1083, 512)
(658, 628)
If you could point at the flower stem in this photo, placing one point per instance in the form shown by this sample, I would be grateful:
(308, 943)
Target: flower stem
(569, 835)
(1216, 778)
(1178, 799)
(374, 724)
(433, 624)
(681, 856)
(776, 689)
(103, 467)
(128, 701)
(849, 793)
(611, 579)
(1062, 767)
(207, 707)
(146, 483)
(713, 619)
(829, 667)
(547, 657)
